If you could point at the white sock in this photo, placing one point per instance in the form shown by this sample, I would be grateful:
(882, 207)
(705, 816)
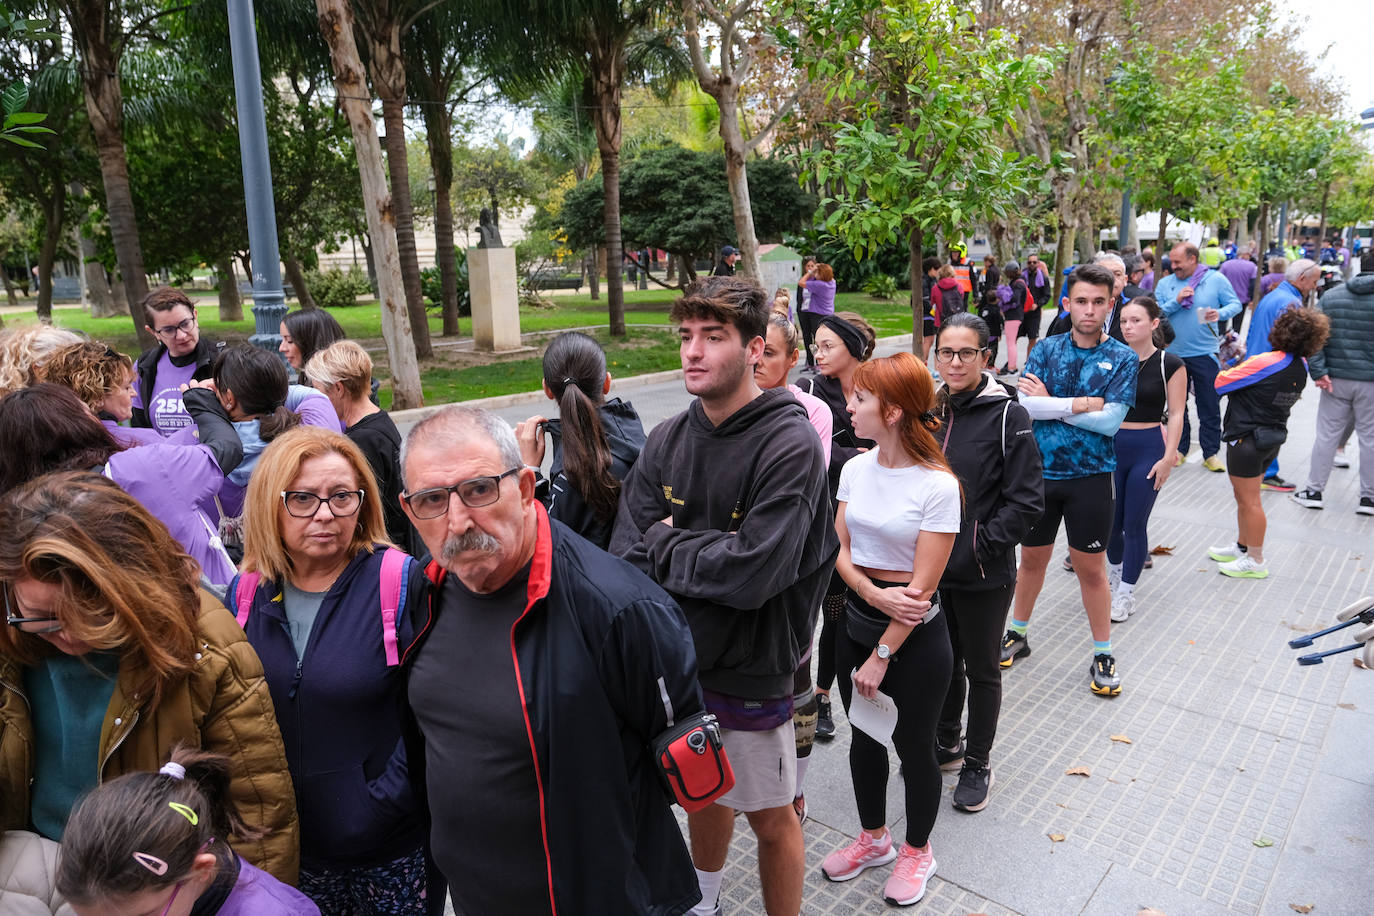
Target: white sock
(709, 881)
(1116, 568)
(1125, 588)
(802, 764)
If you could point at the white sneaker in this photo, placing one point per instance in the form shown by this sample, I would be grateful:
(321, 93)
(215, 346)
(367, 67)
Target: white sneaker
(1225, 553)
(1123, 606)
(1247, 567)
(1340, 460)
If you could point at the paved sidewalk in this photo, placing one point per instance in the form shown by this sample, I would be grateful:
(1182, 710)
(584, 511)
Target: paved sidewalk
(1247, 784)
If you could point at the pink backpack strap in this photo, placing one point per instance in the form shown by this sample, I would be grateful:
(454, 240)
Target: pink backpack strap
(244, 590)
(392, 595)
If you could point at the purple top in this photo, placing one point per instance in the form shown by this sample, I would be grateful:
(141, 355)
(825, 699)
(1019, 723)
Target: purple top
(129, 436)
(1147, 282)
(256, 893)
(169, 480)
(1267, 284)
(822, 296)
(1242, 275)
(167, 413)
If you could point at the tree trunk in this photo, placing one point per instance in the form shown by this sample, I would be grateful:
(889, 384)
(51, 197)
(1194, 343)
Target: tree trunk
(687, 273)
(1088, 237)
(97, 286)
(737, 177)
(438, 132)
(389, 77)
(1321, 227)
(1160, 249)
(54, 212)
(670, 270)
(1063, 257)
(336, 24)
(230, 302)
(607, 69)
(593, 275)
(1262, 259)
(915, 255)
(11, 296)
(89, 21)
(296, 277)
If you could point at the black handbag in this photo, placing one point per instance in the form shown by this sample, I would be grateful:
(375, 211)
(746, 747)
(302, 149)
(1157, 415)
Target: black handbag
(1269, 437)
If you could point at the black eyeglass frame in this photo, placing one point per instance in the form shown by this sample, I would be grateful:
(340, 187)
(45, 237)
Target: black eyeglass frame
(456, 488)
(19, 622)
(321, 500)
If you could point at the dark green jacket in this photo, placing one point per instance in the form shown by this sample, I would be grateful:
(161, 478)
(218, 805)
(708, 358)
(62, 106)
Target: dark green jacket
(1349, 351)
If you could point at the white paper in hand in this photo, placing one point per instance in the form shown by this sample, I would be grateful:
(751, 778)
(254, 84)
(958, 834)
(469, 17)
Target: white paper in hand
(876, 717)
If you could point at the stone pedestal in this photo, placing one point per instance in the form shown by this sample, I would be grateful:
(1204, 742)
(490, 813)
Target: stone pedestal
(495, 298)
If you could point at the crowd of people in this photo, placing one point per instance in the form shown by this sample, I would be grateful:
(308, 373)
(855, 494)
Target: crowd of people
(264, 655)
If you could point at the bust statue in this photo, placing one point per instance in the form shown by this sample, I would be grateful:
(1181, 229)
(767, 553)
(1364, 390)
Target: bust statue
(488, 235)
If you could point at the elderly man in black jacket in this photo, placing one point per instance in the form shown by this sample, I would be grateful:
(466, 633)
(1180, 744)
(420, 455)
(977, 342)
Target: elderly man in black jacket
(543, 671)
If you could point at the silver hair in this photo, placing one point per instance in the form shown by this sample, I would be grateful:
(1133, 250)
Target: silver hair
(447, 426)
(1297, 269)
(1103, 257)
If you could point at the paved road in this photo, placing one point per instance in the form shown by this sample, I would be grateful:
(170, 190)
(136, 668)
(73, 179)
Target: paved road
(1248, 782)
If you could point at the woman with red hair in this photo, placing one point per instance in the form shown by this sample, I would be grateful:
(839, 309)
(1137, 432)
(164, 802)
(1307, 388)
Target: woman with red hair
(897, 517)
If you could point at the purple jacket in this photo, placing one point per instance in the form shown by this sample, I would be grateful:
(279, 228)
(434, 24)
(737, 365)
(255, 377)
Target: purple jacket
(256, 893)
(170, 480)
(1242, 275)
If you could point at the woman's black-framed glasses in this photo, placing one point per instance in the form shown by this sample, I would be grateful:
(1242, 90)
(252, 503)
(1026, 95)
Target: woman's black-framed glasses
(301, 504)
(966, 355)
(475, 493)
(47, 624)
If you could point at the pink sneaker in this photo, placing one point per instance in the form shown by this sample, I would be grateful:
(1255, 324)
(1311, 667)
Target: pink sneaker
(865, 852)
(909, 876)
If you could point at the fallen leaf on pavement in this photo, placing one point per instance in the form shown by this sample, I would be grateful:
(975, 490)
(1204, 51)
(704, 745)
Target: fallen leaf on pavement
(1056, 837)
(1302, 907)
(1346, 705)
(1264, 841)
(1078, 771)
(1121, 739)
(1159, 550)
(1149, 911)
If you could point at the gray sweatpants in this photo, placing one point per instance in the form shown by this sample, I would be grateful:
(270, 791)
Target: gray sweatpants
(1347, 402)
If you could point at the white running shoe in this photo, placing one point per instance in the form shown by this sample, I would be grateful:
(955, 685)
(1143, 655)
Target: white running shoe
(1123, 606)
(1247, 567)
(1224, 553)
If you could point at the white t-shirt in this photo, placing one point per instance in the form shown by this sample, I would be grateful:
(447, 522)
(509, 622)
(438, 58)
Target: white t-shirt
(886, 508)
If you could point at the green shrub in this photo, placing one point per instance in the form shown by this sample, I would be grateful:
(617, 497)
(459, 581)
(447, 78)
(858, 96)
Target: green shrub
(432, 285)
(881, 286)
(335, 288)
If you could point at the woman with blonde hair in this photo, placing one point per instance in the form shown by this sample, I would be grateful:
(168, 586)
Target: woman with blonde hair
(898, 516)
(342, 371)
(112, 654)
(24, 350)
(103, 378)
(322, 596)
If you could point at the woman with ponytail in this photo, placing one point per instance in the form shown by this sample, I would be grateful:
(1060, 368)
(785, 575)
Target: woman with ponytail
(158, 843)
(897, 518)
(595, 441)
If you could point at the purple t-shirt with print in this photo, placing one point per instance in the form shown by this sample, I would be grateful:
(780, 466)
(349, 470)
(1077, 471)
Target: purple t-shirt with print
(167, 413)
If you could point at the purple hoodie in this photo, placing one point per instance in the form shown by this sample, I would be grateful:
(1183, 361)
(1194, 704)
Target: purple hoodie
(256, 893)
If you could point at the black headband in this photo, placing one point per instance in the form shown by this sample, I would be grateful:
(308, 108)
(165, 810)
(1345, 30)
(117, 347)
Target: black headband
(854, 340)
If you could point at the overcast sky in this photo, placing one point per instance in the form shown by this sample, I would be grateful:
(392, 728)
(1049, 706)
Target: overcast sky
(1341, 28)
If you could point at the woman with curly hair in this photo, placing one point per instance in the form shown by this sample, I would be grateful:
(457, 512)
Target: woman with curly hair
(103, 378)
(24, 350)
(898, 516)
(1260, 394)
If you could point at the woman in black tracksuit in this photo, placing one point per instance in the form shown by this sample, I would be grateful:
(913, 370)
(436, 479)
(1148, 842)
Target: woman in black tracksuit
(986, 437)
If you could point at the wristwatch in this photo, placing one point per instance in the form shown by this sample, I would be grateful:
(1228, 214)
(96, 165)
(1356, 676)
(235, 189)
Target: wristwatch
(884, 652)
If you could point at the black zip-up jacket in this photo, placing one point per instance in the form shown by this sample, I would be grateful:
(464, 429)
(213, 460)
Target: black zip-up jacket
(145, 370)
(987, 439)
(752, 541)
(625, 435)
(602, 651)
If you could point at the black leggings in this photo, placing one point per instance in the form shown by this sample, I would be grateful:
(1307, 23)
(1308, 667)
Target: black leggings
(832, 619)
(809, 321)
(917, 678)
(976, 621)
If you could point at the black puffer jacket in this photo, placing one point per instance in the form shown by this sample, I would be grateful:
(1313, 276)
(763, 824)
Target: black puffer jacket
(987, 439)
(625, 434)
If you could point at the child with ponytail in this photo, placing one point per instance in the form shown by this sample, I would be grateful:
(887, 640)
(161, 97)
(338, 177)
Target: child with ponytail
(153, 843)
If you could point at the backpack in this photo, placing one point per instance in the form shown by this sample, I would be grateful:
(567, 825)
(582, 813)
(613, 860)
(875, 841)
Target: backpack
(392, 588)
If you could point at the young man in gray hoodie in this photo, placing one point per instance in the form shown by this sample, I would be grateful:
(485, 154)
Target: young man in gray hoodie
(728, 509)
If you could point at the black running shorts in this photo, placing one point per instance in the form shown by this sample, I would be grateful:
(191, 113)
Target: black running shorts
(1245, 459)
(1030, 324)
(1085, 504)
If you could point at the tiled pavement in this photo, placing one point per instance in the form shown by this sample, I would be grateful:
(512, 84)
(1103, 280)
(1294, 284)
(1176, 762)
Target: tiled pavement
(1248, 782)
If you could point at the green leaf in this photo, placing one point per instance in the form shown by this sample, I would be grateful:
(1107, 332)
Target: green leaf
(20, 141)
(1263, 842)
(14, 98)
(23, 117)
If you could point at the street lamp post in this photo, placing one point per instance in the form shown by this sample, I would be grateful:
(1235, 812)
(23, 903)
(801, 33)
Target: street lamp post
(269, 302)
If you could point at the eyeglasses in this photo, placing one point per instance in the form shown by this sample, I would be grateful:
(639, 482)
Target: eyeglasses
(172, 330)
(475, 493)
(966, 355)
(300, 504)
(20, 623)
(827, 347)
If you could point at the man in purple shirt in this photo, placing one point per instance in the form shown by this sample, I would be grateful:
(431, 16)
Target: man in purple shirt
(175, 360)
(1241, 271)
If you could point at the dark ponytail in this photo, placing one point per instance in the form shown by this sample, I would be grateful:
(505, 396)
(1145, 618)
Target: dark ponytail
(143, 831)
(1163, 334)
(259, 383)
(575, 371)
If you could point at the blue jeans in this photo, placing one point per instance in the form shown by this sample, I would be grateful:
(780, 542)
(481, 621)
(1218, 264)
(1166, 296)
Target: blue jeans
(1202, 378)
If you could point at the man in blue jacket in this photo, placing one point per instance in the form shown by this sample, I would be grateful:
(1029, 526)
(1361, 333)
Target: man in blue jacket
(544, 670)
(1195, 298)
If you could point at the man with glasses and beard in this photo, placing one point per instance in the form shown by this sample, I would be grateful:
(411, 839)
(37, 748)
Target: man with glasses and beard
(537, 680)
(178, 357)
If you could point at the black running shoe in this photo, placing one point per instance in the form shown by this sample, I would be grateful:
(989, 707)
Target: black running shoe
(950, 758)
(975, 781)
(1014, 646)
(1105, 682)
(825, 725)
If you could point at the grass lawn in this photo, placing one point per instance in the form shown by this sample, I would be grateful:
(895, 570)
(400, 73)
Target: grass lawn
(646, 349)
